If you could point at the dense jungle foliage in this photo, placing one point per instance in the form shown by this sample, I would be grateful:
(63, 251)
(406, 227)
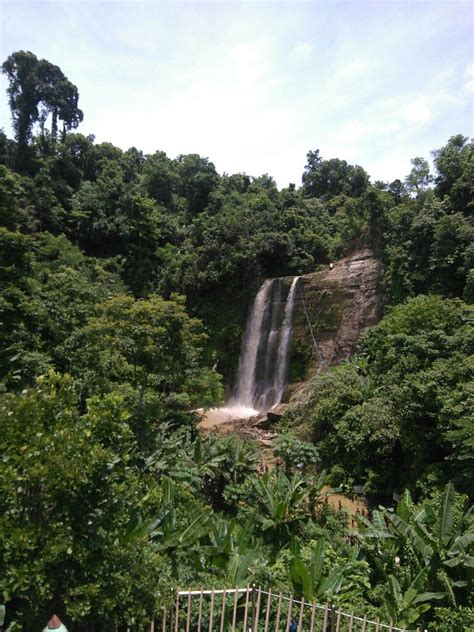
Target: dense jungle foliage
(125, 280)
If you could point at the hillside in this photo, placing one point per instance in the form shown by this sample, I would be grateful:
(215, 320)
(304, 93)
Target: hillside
(126, 280)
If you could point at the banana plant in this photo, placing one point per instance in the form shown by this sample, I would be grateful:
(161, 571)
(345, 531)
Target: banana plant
(405, 607)
(437, 541)
(310, 580)
(163, 530)
(282, 505)
(226, 537)
(239, 568)
(239, 458)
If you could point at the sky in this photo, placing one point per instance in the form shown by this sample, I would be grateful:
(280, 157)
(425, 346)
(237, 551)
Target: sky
(254, 86)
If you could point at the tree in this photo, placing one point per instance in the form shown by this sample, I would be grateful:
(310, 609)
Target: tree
(68, 491)
(16, 261)
(160, 177)
(453, 237)
(295, 453)
(198, 178)
(455, 166)
(152, 351)
(59, 98)
(34, 83)
(10, 190)
(327, 178)
(419, 177)
(24, 93)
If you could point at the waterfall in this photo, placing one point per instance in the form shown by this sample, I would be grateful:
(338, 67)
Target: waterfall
(263, 362)
(248, 356)
(283, 349)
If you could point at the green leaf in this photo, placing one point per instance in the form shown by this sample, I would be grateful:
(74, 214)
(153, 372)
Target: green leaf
(446, 514)
(461, 542)
(428, 596)
(317, 561)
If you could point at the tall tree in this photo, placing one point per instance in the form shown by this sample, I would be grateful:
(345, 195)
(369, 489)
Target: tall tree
(36, 89)
(59, 98)
(23, 93)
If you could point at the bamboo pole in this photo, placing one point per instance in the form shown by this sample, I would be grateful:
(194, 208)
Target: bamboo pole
(188, 618)
(333, 622)
(326, 614)
(351, 621)
(390, 627)
(176, 614)
(300, 620)
(246, 610)
(200, 613)
(288, 618)
(338, 621)
(224, 594)
(211, 612)
(267, 614)
(234, 614)
(257, 611)
(277, 622)
(364, 623)
(313, 617)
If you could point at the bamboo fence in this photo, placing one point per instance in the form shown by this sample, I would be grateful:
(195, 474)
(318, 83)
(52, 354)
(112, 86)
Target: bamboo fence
(253, 609)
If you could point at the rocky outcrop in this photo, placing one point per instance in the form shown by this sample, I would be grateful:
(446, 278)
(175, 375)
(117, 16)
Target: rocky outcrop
(335, 306)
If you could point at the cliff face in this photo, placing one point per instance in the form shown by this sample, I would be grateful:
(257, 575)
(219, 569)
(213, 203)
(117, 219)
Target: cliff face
(340, 302)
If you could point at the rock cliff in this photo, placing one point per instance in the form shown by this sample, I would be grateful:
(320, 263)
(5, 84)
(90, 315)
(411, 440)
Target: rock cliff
(335, 306)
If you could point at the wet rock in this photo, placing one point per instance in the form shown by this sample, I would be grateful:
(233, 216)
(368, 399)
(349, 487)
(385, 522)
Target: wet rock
(276, 413)
(341, 302)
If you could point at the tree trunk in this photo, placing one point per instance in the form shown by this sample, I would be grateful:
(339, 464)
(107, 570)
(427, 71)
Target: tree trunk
(54, 126)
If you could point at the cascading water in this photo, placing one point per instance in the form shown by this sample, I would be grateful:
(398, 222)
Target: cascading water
(248, 357)
(263, 363)
(284, 347)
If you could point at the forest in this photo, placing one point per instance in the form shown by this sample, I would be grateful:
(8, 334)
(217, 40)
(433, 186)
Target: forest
(125, 283)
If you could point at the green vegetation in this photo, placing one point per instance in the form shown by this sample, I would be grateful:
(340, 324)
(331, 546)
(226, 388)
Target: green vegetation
(400, 414)
(125, 281)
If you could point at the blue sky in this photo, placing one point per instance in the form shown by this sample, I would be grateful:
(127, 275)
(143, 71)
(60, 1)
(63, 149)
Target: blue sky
(254, 86)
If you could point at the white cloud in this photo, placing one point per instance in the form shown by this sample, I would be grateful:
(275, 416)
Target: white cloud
(302, 50)
(417, 112)
(469, 85)
(390, 166)
(469, 75)
(353, 131)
